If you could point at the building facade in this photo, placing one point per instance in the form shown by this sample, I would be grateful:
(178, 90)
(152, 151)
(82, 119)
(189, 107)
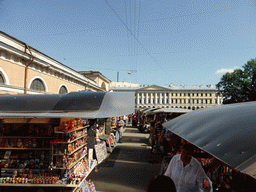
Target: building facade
(24, 69)
(154, 96)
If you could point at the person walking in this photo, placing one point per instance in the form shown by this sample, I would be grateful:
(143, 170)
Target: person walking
(119, 130)
(187, 172)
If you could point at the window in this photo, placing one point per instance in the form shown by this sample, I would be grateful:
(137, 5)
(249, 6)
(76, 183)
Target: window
(167, 94)
(153, 100)
(38, 85)
(185, 94)
(184, 100)
(149, 100)
(193, 101)
(210, 100)
(180, 94)
(176, 100)
(206, 101)
(202, 101)
(172, 94)
(172, 100)
(197, 94)
(3, 55)
(189, 94)
(145, 100)
(12, 58)
(63, 90)
(180, 101)
(193, 94)
(185, 107)
(176, 94)
(202, 94)
(206, 94)
(210, 94)
(162, 100)
(158, 100)
(1, 79)
(189, 101)
(140, 101)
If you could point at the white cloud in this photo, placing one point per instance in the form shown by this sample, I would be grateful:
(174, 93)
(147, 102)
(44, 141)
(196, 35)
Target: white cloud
(226, 70)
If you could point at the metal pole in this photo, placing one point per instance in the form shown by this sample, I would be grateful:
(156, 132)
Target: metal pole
(117, 76)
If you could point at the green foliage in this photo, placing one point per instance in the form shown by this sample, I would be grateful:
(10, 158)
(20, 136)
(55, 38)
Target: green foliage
(239, 86)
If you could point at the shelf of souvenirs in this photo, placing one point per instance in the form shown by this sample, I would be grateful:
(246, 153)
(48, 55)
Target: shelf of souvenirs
(60, 130)
(75, 139)
(74, 150)
(70, 164)
(25, 137)
(73, 181)
(16, 148)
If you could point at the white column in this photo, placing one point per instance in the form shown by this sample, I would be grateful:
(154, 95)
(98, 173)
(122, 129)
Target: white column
(160, 98)
(142, 98)
(170, 101)
(164, 98)
(138, 98)
(218, 100)
(151, 98)
(146, 98)
(155, 98)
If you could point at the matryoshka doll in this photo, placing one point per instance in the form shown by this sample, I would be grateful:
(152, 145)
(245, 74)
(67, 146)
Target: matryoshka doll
(19, 143)
(34, 143)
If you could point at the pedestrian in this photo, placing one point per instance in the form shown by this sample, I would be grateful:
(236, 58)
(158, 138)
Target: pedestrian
(152, 134)
(187, 172)
(119, 130)
(161, 183)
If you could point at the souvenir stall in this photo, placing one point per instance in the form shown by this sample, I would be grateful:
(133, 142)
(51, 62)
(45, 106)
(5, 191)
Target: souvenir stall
(224, 140)
(47, 142)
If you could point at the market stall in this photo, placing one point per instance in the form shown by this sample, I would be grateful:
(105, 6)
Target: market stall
(225, 137)
(48, 143)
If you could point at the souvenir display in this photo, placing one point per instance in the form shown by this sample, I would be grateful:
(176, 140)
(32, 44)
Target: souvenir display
(40, 154)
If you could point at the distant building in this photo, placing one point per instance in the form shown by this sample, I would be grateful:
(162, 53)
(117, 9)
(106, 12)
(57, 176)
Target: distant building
(44, 74)
(123, 84)
(170, 96)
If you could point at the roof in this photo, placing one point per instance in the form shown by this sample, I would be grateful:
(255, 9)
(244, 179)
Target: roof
(83, 104)
(159, 88)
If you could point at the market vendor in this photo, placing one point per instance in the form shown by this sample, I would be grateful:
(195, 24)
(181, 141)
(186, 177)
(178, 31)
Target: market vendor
(187, 172)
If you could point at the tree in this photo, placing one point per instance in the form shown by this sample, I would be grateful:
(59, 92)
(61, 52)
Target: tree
(239, 86)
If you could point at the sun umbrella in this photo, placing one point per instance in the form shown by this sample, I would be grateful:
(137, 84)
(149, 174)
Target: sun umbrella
(227, 132)
(83, 104)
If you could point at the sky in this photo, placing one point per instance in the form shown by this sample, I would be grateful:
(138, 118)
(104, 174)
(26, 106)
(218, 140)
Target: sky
(185, 42)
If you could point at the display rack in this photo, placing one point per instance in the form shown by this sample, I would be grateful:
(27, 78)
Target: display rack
(43, 155)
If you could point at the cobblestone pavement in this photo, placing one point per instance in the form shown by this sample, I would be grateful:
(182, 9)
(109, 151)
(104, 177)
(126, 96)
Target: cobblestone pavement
(129, 167)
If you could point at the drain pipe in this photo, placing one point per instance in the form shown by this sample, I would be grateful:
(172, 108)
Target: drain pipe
(26, 68)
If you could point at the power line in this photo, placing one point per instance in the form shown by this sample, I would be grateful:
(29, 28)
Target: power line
(134, 36)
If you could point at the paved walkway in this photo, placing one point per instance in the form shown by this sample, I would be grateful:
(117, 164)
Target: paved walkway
(129, 167)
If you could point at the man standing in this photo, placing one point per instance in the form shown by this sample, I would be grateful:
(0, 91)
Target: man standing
(187, 172)
(119, 130)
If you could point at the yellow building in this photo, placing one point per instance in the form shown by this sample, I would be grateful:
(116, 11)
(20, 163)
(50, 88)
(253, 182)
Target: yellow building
(154, 96)
(24, 69)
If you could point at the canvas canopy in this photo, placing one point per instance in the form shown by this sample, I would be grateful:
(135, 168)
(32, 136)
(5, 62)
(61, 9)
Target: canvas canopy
(83, 104)
(227, 132)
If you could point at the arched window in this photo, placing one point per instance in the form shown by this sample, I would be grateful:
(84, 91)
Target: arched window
(38, 85)
(103, 86)
(193, 108)
(63, 90)
(2, 78)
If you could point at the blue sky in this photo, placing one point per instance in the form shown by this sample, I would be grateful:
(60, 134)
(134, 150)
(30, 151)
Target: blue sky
(185, 42)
